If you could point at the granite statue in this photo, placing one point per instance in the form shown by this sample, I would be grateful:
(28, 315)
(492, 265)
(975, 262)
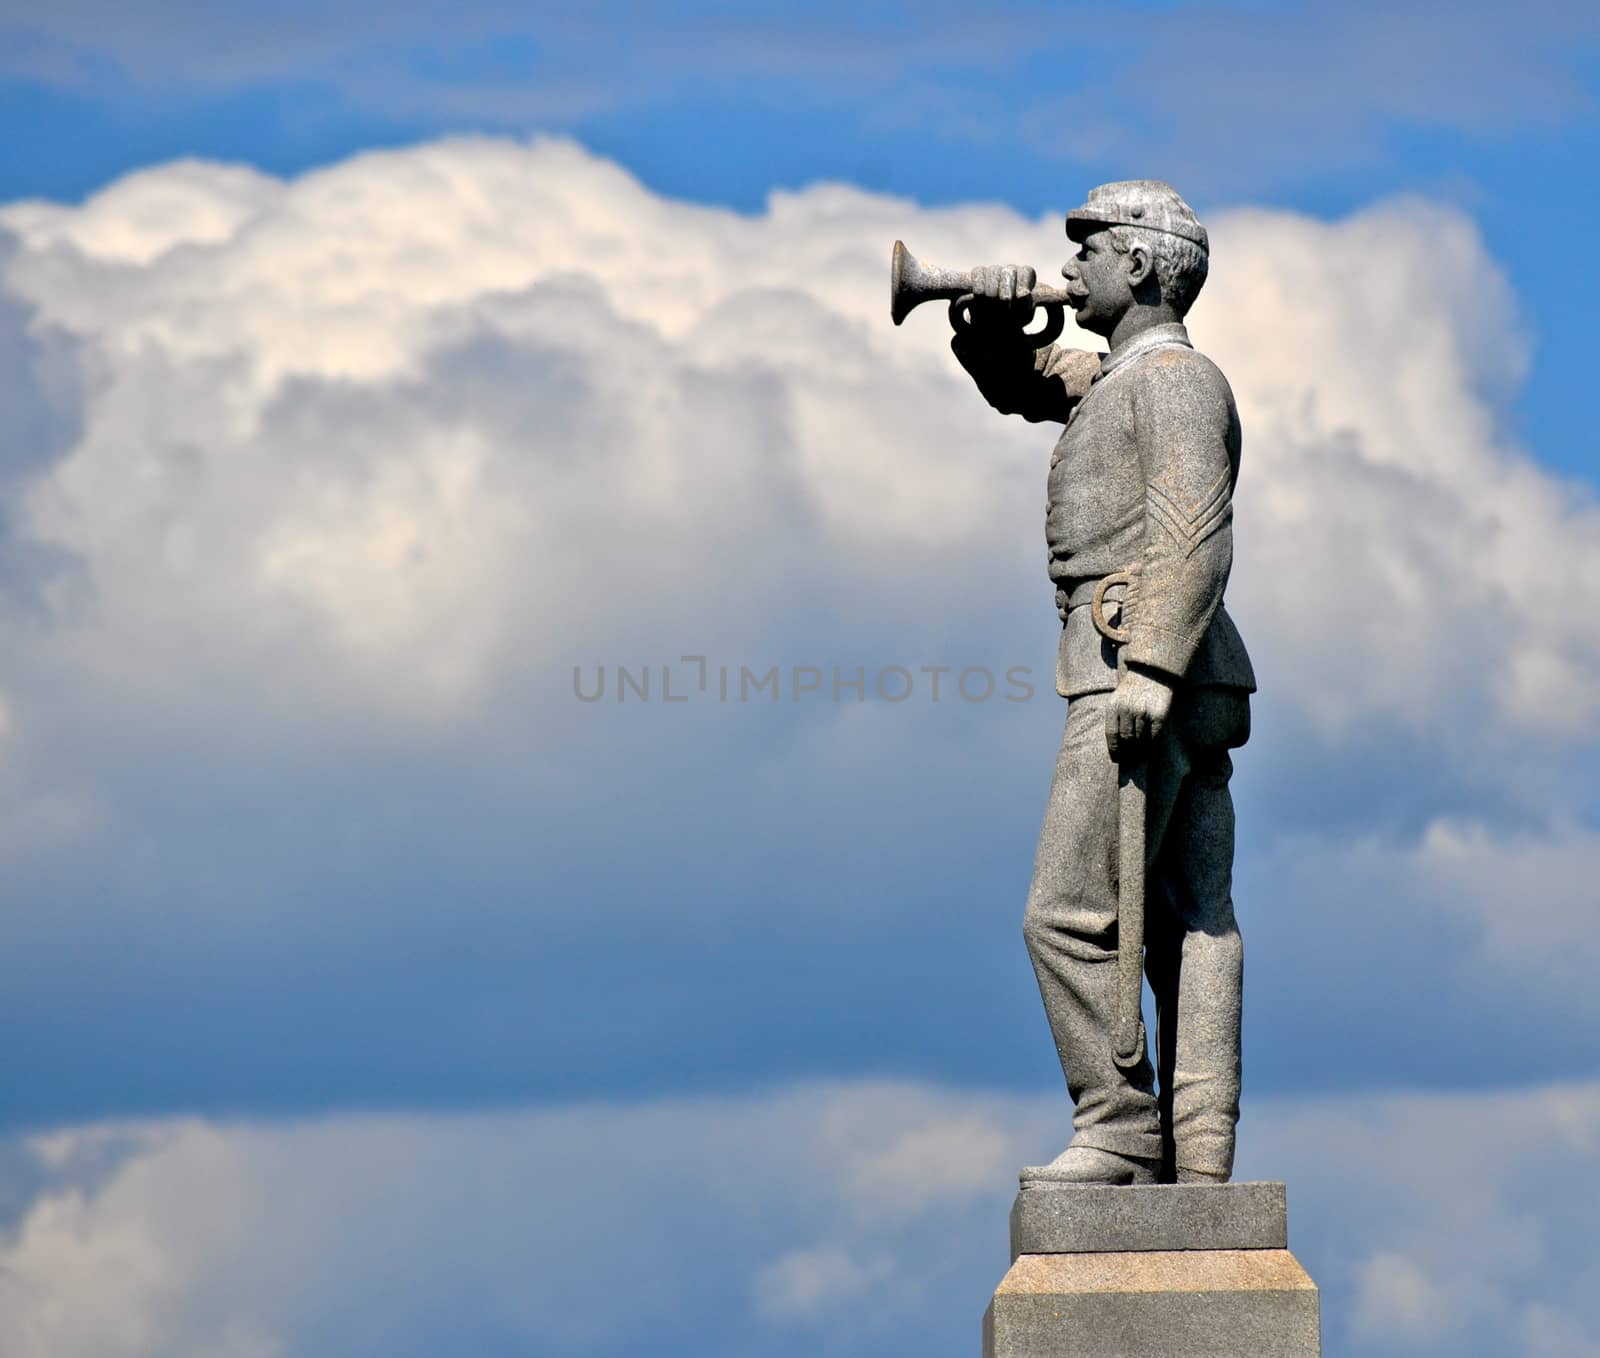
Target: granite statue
(1134, 865)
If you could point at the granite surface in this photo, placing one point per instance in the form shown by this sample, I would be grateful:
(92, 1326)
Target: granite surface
(1066, 1219)
(1255, 1303)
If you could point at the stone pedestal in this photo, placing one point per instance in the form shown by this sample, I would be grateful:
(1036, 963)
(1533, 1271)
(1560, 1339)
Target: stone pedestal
(1173, 1271)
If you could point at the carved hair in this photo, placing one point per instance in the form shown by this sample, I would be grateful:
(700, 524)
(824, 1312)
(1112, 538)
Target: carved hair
(1180, 265)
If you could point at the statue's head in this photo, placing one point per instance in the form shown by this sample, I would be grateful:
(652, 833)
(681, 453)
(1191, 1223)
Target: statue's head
(1138, 243)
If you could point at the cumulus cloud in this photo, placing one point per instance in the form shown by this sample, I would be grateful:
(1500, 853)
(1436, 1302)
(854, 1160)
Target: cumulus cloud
(742, 1225)
(339, 420)
(1480, 936)
(582, 1230)
(1445, 1223)
(817, 1283)
(348, 472)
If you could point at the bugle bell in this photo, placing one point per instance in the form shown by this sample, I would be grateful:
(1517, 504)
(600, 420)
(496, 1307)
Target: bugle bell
(911, 283)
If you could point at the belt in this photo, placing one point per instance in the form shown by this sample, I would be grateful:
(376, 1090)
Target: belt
(1077, 594)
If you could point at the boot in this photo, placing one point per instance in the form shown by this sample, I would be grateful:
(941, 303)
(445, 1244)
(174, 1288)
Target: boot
(1200, 1176)
(1091, 1165)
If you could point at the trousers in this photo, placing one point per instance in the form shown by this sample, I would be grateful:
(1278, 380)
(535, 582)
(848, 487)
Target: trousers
(1194, 958)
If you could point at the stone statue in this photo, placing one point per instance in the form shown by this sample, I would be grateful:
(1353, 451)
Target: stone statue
(1135, 860)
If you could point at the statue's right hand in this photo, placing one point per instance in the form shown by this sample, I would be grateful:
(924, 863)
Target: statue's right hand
(1007, 285)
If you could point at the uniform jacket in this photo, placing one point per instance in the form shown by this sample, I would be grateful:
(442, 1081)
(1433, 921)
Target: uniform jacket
(1142, 478)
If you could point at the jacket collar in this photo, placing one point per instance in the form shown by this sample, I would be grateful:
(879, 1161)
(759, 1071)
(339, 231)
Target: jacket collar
(1156, 337)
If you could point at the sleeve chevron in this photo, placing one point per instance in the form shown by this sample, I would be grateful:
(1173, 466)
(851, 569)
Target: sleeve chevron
(1190, 527)
(1187, 430)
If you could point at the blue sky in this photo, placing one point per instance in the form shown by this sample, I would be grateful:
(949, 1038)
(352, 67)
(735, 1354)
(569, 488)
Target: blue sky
(361, 376)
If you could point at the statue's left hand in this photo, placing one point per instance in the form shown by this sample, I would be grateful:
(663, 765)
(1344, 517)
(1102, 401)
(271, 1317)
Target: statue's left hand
(1138, 712)
(1077, 370)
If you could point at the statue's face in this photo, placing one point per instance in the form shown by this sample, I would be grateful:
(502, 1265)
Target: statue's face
(1099, 283)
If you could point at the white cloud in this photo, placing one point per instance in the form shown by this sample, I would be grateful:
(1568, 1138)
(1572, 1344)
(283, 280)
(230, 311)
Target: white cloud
(390, 425)
(577, 1230)
(1532, 899)
(109, 1269)
(1398, 1301)
(363, 462)
(1395, 552)
(1505, 916)
(812, 1283)
(1456, 1224)
(1443, 1223)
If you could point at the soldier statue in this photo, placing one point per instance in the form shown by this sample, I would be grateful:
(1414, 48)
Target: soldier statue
(1138, 523)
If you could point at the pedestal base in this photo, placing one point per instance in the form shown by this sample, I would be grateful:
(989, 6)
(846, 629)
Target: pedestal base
(1165, 1272)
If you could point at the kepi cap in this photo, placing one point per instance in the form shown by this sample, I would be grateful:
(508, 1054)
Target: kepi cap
(1137, 202)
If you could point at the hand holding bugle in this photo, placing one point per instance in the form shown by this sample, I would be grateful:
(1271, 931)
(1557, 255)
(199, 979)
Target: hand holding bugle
(911, 283)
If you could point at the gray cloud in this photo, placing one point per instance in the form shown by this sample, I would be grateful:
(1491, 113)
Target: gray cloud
(1245, 97)
(1248, 96)
(869, 1214)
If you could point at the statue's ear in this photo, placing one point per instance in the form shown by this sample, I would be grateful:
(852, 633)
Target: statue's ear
(1140, 265)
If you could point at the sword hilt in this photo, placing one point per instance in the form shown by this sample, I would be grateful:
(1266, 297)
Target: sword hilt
(1097, 609)
(1128, 1047)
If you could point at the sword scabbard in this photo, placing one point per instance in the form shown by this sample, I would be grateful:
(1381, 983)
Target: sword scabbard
(1128, 1039)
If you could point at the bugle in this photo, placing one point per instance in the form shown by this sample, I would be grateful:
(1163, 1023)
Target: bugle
(911, 283)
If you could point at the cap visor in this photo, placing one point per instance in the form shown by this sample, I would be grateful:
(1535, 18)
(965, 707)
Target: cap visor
(1082, 223)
